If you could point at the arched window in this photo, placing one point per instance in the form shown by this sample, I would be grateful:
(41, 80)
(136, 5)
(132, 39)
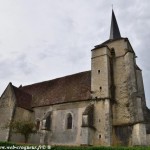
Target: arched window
(37, 124)
(69, 121)
(46, 121)
(88, 116)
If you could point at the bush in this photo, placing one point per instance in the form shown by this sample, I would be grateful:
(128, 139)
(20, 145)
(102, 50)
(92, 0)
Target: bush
(26, 128)
(43, 147)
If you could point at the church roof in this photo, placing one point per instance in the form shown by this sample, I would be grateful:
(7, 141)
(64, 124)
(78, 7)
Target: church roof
(23, 99)
(70, 88)
(114, 29)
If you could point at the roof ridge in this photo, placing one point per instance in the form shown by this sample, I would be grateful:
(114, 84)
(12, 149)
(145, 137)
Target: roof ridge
(54, 79)
(65, 89)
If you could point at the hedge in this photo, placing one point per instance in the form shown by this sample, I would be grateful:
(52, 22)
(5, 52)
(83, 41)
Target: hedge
(9, 145)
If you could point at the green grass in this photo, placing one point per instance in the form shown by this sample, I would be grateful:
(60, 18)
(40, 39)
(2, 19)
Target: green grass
(99, 148)
(6, 145)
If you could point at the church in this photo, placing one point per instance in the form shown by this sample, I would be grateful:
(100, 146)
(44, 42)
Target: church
(104, 106)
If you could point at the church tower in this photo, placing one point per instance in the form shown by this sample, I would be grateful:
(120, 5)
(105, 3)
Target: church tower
(101, 107)
(116, 81)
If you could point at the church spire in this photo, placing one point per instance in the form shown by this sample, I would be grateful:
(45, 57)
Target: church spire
(114, 29)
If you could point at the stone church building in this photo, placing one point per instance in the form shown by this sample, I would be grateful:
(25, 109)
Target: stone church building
(104, 106)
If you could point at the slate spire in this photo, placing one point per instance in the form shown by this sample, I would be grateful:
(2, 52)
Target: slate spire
(114, 29)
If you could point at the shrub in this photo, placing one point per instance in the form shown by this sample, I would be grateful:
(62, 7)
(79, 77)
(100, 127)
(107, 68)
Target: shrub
(26, 128)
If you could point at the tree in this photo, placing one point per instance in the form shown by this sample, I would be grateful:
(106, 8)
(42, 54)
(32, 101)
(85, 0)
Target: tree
(25, 128)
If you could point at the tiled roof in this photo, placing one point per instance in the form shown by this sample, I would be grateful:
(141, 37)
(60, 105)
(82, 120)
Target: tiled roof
(23, 99)
(70, 88)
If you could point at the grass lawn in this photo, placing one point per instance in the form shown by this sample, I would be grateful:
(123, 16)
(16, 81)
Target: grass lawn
(9, 145)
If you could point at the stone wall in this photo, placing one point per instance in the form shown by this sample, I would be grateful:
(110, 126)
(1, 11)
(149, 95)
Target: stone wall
(24, 115)
(103, 123)
(126, 85)
(7, 107)
(101, 91)
(122, 135)
(141, 92)
(127, 135)
(33, 139)
(100, 73)
(87, 136)
(129, 108)
(60, 135)
(125, 81)
(139, 134)
(148, 139)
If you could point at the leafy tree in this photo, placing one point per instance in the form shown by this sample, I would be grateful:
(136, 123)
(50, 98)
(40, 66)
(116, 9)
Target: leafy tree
(25, 128)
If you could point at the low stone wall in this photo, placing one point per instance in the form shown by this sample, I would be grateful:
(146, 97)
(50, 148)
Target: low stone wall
(148, 139)
(34, 138)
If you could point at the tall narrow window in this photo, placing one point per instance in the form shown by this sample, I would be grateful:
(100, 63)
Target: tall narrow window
(69, 121)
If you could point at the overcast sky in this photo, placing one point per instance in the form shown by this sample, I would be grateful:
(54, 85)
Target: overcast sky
(44, 39)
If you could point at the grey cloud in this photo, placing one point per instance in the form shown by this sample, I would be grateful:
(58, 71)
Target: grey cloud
(49, 39)
(5, 72)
